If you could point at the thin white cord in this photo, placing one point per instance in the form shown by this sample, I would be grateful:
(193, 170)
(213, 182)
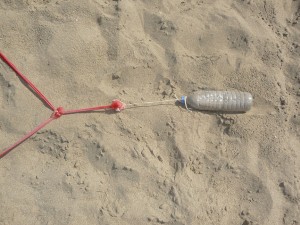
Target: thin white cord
(145, 104)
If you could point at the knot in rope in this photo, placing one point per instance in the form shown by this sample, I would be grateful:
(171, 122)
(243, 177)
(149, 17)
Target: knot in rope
(117, 105)
(58, 112)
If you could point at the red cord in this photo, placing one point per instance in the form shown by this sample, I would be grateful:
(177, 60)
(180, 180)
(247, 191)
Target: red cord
(86, 109)
(28, 135)
(116, 105)
(14, 68)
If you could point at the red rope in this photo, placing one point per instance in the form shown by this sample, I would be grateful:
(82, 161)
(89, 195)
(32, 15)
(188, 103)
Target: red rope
(116, 105)
(28, 135)
(57, 113)
(14, 68)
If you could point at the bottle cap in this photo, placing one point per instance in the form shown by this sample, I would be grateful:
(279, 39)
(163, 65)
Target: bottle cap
(183, 100)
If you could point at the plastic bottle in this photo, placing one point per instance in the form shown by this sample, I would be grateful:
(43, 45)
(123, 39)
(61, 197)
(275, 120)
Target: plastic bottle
(222, 101)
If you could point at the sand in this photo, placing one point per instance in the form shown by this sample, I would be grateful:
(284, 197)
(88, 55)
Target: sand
(150, 165)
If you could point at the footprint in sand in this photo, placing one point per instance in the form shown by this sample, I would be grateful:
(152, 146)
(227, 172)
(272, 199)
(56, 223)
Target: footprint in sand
(52, 143)
(162, 32)
(109, 26)
(102, 160)
(7, 92)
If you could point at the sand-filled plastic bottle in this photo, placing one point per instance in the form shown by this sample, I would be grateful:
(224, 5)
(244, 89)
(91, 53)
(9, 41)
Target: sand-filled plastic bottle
(221, 101)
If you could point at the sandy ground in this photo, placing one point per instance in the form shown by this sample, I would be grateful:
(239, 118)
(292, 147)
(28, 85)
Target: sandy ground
(150, 165)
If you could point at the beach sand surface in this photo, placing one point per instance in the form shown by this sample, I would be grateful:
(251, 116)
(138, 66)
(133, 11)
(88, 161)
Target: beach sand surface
(160, 164)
